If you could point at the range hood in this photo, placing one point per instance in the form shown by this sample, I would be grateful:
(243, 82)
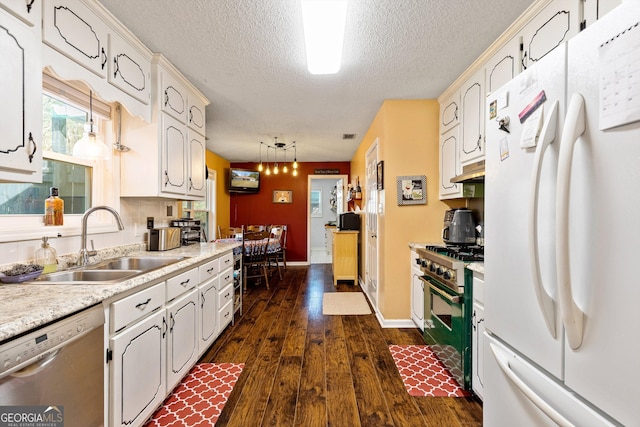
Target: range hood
(473, 172)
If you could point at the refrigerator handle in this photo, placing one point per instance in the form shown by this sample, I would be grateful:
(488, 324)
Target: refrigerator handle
(545, 302)
(503, 362)
(572, 316)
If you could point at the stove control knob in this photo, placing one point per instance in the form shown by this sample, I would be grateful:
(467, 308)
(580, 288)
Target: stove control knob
(439, 271)
(452, 275)
(432, 267)
(447, 274)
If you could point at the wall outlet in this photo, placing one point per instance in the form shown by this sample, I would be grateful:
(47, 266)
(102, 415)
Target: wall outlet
(169, 210)
(136, 230)
(149, 222)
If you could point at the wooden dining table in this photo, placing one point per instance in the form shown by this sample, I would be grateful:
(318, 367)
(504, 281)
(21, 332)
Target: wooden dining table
(273, 245)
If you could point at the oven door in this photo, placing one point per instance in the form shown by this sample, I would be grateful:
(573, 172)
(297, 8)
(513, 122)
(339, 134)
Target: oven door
(448, 331)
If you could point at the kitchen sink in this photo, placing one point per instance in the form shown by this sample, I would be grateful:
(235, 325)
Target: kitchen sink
(107, 272)
(136, 263)
(88, 276)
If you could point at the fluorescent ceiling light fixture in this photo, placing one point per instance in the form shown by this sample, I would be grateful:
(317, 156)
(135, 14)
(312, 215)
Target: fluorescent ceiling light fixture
(324, 22)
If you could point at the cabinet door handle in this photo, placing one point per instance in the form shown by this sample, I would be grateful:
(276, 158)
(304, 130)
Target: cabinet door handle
(29, 4)
(166, 178)
(226, 296)
(143, 305)
(201, 300)
(210, 270)
(185, 283)
(172, 322)
(33, 142)
(104, 58)
(164, 327)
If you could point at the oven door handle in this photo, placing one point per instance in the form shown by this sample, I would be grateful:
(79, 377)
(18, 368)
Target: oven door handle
(454, 299)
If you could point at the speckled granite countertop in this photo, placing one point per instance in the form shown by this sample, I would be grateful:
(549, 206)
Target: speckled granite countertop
(26, 306)
(476, 266)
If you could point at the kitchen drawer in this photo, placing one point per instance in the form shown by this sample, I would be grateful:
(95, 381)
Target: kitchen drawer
(225, 295)
(226, 277)
(208, 270)
(136, 306)
(225, 315)
(226, 261)
(181, 283)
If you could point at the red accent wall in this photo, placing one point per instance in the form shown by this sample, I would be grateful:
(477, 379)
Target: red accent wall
(255, 209)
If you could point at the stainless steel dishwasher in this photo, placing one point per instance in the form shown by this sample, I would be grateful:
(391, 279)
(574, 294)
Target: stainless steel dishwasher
(58, 368)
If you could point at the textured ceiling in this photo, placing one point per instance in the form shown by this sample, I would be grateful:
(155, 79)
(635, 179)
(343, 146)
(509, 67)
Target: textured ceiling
(248, 58)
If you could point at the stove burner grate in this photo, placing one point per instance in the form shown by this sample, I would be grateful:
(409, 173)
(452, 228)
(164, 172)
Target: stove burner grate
(462, 253)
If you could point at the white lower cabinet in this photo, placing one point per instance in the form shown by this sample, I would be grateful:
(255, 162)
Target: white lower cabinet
(417, 292)
(208, 314)
(477, 377)
(182, 344)
(138, 375)
(157, 334)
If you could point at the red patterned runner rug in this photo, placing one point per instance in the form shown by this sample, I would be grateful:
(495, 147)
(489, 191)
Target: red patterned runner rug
(198, 400)
(423, 374)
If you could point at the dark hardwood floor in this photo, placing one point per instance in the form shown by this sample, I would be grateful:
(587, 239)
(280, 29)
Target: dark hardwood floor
(306, 369)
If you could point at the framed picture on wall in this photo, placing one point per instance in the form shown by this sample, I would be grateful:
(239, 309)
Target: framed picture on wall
(380, 175)
(282, 196)
(412, 190)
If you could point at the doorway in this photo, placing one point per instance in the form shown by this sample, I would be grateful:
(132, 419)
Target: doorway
(322, 215)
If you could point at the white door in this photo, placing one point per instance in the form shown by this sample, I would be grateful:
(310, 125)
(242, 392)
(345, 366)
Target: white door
(510, 295)
(472, 126)
(73, 29)
(371, 228)
(129, 70)
(138, 374)
(174, 141)
(603, 196)
(503, 66)
(449, 164)
(182, 344)
(196, 183)
(21, 107)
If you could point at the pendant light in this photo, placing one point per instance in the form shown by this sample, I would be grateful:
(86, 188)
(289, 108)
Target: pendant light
(90, 147)
(282, 147)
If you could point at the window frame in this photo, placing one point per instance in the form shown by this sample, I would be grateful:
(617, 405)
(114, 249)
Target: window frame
(105, 188)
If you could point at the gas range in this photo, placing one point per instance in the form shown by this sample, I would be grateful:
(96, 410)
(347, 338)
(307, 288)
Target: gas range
(447, 263)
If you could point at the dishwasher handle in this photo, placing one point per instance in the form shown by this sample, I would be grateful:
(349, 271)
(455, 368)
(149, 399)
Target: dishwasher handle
(38, 365)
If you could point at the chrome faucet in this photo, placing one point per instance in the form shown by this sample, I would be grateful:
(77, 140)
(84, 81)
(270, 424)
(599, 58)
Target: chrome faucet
(84, 252)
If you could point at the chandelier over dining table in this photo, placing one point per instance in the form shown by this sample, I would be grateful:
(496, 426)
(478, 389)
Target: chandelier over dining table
(279, 152)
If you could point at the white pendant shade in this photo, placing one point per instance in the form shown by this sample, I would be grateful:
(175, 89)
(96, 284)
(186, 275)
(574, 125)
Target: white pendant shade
(90, 147)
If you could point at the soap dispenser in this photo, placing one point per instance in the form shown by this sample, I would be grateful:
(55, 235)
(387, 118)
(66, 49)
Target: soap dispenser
(47, 257)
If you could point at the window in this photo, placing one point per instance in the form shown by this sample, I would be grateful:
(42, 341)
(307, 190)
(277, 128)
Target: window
(81, 183)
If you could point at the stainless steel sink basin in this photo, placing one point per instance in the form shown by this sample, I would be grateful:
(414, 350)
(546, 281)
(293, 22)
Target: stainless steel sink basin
(109, 271)
(88, 276)
(136, 263)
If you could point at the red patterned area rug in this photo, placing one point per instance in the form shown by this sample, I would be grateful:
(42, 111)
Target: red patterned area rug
(198, 400)
(423, 374)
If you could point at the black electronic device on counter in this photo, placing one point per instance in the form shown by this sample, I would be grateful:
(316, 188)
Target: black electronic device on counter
(349, 221)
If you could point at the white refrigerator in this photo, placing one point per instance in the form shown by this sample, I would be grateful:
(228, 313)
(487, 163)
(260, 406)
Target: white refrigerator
(562, 233)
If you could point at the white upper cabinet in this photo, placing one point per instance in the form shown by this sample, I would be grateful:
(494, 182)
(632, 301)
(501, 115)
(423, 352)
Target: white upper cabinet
(129, 70)
(450, 112)
(449, 164)
(74, 30)
(555, 24)
(26, 10)
(196, 115)
(173, 96)
(503, 66)
(472, 127)
(21, 106)
(174, 147)
(196, 157)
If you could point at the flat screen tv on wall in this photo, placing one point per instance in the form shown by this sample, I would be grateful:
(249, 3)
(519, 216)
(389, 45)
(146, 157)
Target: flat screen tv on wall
(244, 181)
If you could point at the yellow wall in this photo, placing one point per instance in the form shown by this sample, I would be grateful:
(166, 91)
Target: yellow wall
(221, 166)
(408, 141)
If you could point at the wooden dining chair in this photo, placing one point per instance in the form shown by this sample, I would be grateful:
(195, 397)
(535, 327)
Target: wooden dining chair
(273, 254)
(229, 232)
(256, 227)
(254, 255)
